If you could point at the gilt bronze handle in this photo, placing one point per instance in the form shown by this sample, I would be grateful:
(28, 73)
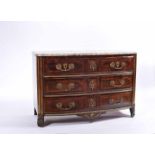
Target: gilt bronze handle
(65, 67)
(113, 83)
(117, 65)
(70, 106)
(70, 86)
(116, 101)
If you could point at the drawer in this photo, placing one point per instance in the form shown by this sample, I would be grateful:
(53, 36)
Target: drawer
(62, 65)
(73, 65)
(71, 104)
(115, 100)
(117, 63)
(64, 104)
(70, 85)
(116, 82)
(63, 86)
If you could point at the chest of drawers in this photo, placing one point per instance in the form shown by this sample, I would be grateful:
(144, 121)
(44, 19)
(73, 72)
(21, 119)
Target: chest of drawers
(86, 85)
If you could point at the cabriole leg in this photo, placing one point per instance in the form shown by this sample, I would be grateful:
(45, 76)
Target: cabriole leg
(40, 121)
(132, 111)
(35, 112)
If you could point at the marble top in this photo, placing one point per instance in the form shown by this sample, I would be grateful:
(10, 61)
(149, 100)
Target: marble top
(80, 52)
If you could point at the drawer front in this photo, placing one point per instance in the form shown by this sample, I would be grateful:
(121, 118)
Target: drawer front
(63, 86)
(117, 63)
(58, 86)
(62, 65)
(70, 85)
(76, 65)
(116, 100)
(116, 82)
(64, 104)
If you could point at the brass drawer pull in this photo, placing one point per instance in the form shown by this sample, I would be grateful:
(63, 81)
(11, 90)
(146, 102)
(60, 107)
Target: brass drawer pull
(113, 83)
(65, 67)
(116, 101)
(117, 65)
(70, 106)
(70, 86)
(59, 86)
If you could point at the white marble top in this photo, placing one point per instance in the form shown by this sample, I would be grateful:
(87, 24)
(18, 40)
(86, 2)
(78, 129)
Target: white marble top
(80, 52)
